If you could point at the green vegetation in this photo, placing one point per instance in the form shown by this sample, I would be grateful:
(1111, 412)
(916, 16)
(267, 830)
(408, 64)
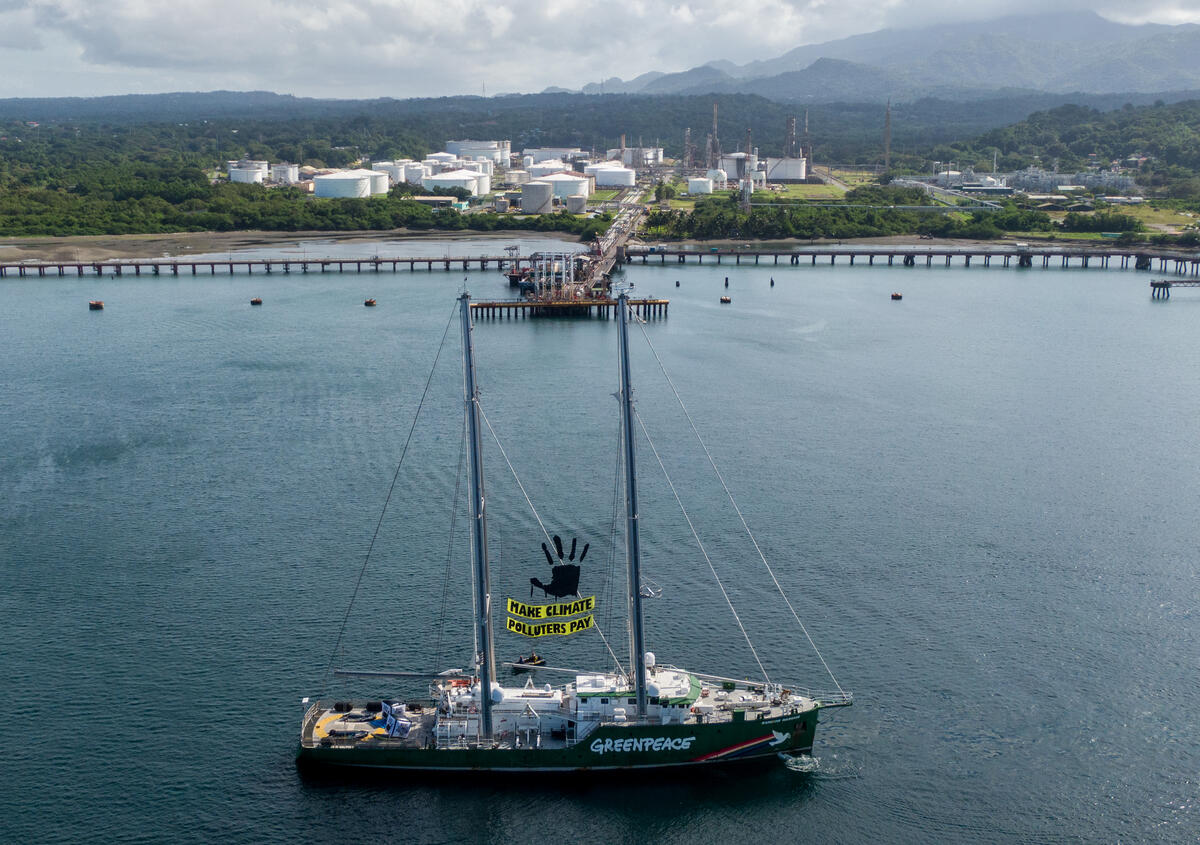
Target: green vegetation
(720, 216)
(114, 174)
(154, 179)
(1162, 142)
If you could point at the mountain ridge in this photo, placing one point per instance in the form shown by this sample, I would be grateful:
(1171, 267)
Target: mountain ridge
(1017, 51)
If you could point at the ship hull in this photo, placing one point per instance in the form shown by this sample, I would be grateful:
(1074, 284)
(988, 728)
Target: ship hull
(609, 747)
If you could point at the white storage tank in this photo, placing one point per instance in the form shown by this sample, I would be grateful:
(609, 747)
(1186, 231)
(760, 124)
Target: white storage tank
(442, 157)
(545, 168)
(787, 169)
(700, 185)
(537, 198)
(245, 175)
(285, 174)
(380, 181)
(454, 179)
(342, 184)
(501, 205)
(567, 184)
(526, 162)
(610, 174)
(414, 174)
(718, 176)
(577, 204)
(516, 177)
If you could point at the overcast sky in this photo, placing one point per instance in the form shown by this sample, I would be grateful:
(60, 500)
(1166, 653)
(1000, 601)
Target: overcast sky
(406, 48)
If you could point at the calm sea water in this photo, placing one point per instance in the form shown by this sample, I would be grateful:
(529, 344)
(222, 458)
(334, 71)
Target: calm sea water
(982, 500)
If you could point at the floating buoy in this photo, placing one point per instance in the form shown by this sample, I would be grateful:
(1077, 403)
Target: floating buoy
(897, 296)
(677, 283)
(726, 281)
(370, 303)
(772, 281)
(725, 300)
(256, 301)
(96, 305)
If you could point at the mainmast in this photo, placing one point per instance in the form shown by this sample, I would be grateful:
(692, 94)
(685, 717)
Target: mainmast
(637, 643)
(486, 659)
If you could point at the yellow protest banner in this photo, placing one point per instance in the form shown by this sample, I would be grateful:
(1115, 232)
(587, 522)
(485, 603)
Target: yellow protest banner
(551, 611)
(550, 629)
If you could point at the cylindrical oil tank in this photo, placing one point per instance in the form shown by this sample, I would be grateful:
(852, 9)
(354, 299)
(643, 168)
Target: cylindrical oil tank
(516, 177)
(609, 174)
(501, 205)
(414, 173)
(566, 185)
(245, 174)
(577, 204)
(342, 185)
(537, 198)
(379, 181)
(545, 168)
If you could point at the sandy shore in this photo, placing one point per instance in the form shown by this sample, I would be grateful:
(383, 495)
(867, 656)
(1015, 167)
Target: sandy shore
(102, 247)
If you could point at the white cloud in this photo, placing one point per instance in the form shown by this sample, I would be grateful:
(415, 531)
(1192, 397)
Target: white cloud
(359, 48)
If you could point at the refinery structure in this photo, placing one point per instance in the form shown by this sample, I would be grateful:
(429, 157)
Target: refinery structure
(538, 180)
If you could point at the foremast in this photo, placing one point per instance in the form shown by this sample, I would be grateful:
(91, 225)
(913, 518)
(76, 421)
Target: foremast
(486, 658)
(637, 643)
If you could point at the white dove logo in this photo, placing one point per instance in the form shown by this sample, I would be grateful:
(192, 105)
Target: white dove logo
(779, 738)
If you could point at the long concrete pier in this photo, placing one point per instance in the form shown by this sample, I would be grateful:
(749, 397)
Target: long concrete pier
(179, 267)
(1180, 262)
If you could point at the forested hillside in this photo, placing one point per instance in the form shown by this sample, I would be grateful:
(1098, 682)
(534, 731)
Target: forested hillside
(1071, 137)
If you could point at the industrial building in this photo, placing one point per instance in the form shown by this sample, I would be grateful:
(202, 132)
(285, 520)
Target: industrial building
(700, 185)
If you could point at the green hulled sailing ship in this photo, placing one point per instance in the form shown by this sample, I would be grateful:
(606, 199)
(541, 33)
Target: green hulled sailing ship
(645, 715)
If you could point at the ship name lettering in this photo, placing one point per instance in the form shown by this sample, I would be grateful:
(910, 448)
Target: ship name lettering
(642, 743)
